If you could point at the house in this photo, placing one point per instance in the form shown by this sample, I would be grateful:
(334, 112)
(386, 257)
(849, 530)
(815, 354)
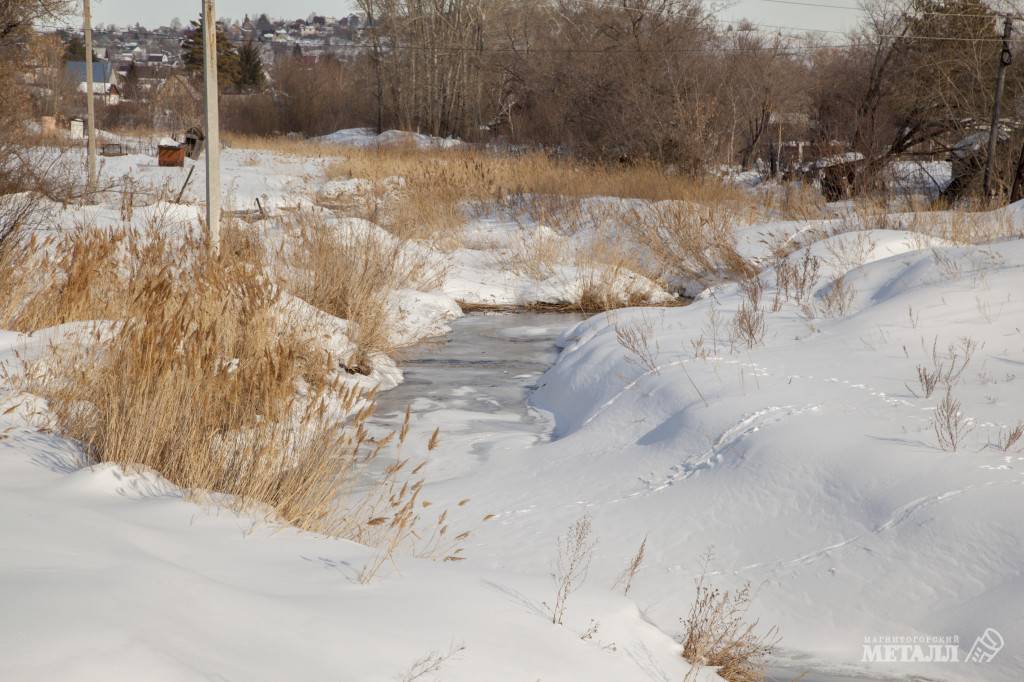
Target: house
(109, 93)
(248, 29)
(107, 82)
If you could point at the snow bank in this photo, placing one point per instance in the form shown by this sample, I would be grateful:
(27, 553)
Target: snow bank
(367, 137)
(809, 463)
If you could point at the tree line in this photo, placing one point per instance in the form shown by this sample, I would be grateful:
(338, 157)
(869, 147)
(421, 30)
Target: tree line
(662, 80)
(645, 80)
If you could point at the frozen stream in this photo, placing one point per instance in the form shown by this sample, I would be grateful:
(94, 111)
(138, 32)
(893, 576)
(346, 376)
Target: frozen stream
(474, 384)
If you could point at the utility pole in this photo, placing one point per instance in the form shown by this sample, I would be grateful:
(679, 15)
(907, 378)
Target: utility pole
(90, 106)
(1005, 58)
(212, 125)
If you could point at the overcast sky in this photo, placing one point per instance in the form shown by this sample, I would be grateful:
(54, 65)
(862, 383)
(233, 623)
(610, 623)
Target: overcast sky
(154, 13)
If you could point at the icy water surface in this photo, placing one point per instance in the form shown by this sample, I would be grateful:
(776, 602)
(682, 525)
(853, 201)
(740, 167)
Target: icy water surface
(474, 385)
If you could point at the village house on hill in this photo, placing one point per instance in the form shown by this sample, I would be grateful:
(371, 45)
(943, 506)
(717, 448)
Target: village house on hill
(108, 84)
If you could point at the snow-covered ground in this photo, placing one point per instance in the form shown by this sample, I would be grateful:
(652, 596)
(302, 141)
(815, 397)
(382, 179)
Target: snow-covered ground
(807, 462)
(367, 137)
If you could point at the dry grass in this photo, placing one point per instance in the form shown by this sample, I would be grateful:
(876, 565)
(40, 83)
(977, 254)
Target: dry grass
(283, 144)
(575, 551)
(795, 280)
(636, 338)
(440, 188)
(199, 383)
(949, 423)
(948, 368)
(533, 253)
(1009, 437)
(632, 568)
(964, 226)
(717, 633)
(690, 242)
(430, 194)
(836, 300)
(748, 324)
(796, 201)
(84, 274)
(601, 288)
(205, 379)
(349, 271)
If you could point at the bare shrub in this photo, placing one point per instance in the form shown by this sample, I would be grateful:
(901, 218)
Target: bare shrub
(632, 568)
(928, 378)
(748, 324)
(795, 280)
(717, 633)
(575, 551)
(951, 427)
(1009, 437)
(16, 210)
(837, 299)
(636, 339)
(958, 356)
(431, 663)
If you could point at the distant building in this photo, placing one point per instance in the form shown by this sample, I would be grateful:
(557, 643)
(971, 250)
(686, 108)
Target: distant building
(108, 84)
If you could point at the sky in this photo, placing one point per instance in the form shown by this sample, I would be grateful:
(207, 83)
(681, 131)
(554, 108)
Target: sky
(154, 13)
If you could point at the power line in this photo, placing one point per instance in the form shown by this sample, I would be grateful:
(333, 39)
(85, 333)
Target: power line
(864, 11)
(877, 35)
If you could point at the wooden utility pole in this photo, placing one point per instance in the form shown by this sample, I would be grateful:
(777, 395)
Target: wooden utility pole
(1005, 58)
(212, 125)
(90, 106)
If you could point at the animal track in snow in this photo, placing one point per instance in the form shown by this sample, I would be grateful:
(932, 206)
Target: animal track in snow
(712, 457)
(897, 517)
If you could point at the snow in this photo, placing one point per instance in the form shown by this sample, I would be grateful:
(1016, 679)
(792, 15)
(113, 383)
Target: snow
(812, 468)
(367, 137)
(807, 462)
(116, 576)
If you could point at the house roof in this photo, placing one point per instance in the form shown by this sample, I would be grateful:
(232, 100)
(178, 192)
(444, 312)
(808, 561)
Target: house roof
(101, 71)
